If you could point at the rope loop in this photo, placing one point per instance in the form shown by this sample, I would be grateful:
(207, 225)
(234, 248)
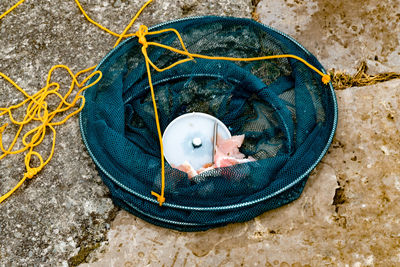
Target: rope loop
(31, 172)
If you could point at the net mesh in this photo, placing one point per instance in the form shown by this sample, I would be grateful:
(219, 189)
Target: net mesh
(287, 114)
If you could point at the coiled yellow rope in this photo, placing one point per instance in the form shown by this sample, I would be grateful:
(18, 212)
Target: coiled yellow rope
(37, 110)
(37, 106)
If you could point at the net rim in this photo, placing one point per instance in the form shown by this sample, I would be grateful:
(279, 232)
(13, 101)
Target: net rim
(225, 207)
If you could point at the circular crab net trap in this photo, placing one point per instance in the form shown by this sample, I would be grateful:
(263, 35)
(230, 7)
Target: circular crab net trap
(287, 114)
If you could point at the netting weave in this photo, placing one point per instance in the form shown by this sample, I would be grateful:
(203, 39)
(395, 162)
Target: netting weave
(287, 114)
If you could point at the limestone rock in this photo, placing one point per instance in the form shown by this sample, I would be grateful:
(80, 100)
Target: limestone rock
(341, 33)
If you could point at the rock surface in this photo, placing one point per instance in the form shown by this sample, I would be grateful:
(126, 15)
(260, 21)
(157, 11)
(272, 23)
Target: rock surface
(347, 214)
(62, 214)
(341, 33)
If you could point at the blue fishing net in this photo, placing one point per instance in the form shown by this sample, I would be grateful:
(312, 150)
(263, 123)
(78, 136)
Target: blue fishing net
(287, 114)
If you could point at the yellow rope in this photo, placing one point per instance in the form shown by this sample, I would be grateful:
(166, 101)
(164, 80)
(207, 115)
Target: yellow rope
(37, 110)
(11, 9)
(94, 22)
(141, 34)
(37, 107)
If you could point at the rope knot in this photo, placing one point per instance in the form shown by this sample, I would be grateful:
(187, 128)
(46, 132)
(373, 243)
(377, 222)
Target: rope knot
(141, 34)
(160, 198)
(31, 172)
(326, 78)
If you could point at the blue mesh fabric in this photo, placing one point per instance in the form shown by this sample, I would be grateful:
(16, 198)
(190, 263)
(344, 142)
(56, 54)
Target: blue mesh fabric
(286, 113)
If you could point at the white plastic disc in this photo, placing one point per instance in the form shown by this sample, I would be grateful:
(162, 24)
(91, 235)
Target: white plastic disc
(190, 138)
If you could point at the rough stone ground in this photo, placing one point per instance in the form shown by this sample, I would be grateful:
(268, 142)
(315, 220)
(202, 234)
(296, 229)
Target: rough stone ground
(348, 213)
(341, 33)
